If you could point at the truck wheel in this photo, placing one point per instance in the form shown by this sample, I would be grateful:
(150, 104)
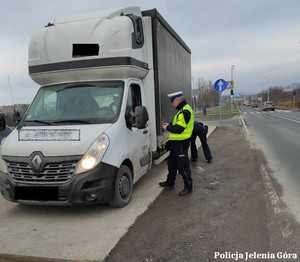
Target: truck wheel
(123, 188)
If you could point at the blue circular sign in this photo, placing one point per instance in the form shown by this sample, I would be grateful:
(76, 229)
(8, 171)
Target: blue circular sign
(220, 85)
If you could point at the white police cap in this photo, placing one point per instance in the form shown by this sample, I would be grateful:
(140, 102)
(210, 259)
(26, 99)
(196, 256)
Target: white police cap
(175, 95)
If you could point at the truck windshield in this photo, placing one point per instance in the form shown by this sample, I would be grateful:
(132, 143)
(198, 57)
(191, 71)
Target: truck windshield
(83, 103)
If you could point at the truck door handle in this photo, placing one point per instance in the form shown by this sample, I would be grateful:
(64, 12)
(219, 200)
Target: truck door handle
(145, 131)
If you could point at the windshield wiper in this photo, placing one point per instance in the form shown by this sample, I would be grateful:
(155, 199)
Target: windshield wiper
(41, 121)
(74, 121)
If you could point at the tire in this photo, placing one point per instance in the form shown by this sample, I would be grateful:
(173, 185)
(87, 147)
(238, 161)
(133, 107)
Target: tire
(123, 188)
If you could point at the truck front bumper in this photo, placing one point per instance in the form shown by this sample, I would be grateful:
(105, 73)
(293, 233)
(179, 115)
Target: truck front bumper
(92, 187)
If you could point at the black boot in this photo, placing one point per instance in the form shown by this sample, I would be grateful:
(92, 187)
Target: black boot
(185, 191)
(166, 184)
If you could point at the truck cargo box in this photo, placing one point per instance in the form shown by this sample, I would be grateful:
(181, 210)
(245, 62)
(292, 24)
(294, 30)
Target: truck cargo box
(172, 67)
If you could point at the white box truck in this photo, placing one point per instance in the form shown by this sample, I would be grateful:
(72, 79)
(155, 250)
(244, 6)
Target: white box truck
(94, 126)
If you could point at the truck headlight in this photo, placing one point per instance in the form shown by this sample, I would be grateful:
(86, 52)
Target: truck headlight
(94, 154)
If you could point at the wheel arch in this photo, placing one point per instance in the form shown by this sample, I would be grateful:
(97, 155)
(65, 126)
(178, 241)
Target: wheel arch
(129, 164)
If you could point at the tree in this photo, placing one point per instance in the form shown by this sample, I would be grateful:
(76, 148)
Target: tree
(207, 95)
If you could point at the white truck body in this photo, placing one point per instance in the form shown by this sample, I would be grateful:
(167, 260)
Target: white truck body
(94, 126)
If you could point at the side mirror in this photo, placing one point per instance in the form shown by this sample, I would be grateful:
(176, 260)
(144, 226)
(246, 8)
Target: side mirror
(140, 117)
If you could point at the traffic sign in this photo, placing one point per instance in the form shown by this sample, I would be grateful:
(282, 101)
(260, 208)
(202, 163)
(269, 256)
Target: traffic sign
(230, 84)
(220, 85)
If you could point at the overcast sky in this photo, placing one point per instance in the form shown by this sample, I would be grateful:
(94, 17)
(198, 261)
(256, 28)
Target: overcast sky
(260, 37)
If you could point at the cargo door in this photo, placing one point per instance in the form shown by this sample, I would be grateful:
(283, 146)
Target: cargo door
(139, 138)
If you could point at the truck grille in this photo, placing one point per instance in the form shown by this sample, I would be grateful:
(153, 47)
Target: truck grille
(53, 173)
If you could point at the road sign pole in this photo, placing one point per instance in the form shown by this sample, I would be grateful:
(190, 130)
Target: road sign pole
(220, 85)
(220, 103)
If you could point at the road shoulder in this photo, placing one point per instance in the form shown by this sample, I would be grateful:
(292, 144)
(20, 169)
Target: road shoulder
(226, 212)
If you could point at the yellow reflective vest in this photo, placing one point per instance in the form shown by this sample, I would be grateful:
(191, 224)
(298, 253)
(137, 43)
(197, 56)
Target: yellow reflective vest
(179, 120)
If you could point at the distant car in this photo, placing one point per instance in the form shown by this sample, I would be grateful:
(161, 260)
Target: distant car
(267, 106)
(254, 104)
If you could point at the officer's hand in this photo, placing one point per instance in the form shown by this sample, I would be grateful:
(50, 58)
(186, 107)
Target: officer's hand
(164, 126)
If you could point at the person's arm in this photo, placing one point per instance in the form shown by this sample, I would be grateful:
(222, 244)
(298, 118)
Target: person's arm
(183, 118)
(176, 129)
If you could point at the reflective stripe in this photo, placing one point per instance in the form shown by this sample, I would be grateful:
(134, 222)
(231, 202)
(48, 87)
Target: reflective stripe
(188, 127)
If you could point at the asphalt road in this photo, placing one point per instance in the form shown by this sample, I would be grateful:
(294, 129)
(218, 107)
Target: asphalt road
(278, 135)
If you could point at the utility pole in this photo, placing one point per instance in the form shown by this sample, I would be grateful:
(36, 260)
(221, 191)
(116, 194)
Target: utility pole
(266, 77)
(12, 99)
(232, 67)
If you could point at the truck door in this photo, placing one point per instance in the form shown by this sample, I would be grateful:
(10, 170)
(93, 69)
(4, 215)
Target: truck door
(140, 138)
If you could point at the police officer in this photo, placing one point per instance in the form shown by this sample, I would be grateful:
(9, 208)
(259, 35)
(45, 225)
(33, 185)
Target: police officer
(180, 132)
(201, 131)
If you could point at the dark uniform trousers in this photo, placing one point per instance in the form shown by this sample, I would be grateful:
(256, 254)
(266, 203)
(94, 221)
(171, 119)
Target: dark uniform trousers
(200, 131)
(178, 161)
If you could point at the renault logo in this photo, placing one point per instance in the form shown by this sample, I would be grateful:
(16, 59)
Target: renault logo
(36, 162)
